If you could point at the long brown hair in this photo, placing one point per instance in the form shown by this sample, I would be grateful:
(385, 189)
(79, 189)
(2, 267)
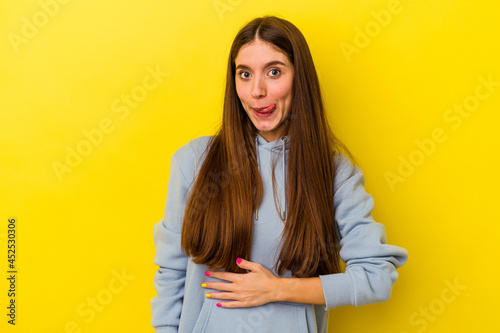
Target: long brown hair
(218, 220)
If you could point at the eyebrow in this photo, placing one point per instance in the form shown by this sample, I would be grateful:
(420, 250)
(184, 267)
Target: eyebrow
(271, 63)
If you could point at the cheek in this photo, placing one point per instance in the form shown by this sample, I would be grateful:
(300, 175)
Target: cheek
(283, 91)
(240, 91)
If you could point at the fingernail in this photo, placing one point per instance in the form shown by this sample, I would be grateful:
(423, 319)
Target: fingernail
(238, 260)
(207, 273)
(204, 285)
(219, 305)
(208, 295)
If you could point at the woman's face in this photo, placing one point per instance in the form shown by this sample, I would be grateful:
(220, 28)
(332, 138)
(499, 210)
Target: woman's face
(264, 79)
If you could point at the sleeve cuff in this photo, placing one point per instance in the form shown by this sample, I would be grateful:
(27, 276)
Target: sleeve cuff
(338, 290)
(166, 329)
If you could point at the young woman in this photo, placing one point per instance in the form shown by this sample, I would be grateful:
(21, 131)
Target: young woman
(259, 216)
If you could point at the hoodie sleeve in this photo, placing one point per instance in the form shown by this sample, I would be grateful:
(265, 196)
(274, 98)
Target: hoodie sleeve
(370, 263)
(169, 278)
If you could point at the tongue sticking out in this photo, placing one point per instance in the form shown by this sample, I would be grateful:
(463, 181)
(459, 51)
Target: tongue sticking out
(268, 109)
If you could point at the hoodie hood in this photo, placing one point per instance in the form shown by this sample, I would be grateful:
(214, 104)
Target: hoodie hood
(280, 146)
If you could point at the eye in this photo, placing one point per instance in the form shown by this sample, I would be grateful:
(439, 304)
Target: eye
(275, 70)
(242, 73)
(246, 75)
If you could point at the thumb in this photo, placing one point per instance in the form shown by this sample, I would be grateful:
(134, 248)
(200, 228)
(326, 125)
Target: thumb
(245, 264)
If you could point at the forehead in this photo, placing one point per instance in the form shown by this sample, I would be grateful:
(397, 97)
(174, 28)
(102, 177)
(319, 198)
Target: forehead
(259, 52)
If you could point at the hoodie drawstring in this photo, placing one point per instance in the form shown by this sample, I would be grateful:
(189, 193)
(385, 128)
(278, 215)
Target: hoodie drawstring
(283, 212)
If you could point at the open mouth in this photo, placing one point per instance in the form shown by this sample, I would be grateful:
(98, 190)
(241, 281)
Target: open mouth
(267, 109)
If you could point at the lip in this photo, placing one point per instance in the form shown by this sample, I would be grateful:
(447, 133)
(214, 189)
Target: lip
(269, 111)
(271, 108)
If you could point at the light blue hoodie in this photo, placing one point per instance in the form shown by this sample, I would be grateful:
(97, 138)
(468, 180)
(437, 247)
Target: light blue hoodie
(181, 305)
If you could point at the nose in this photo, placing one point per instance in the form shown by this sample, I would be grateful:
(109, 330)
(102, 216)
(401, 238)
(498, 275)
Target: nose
(258, 88)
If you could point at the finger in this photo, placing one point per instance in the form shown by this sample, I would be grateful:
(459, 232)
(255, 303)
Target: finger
(223, 286)
(231, 277)
(233, 304)
(248, 265)
(223, 295)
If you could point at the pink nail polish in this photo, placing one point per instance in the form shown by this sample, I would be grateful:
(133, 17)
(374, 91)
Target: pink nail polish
(238, 260)
(219, 305)
(207, 273)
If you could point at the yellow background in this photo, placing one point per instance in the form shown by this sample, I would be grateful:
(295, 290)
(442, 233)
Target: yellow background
(78, 230)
